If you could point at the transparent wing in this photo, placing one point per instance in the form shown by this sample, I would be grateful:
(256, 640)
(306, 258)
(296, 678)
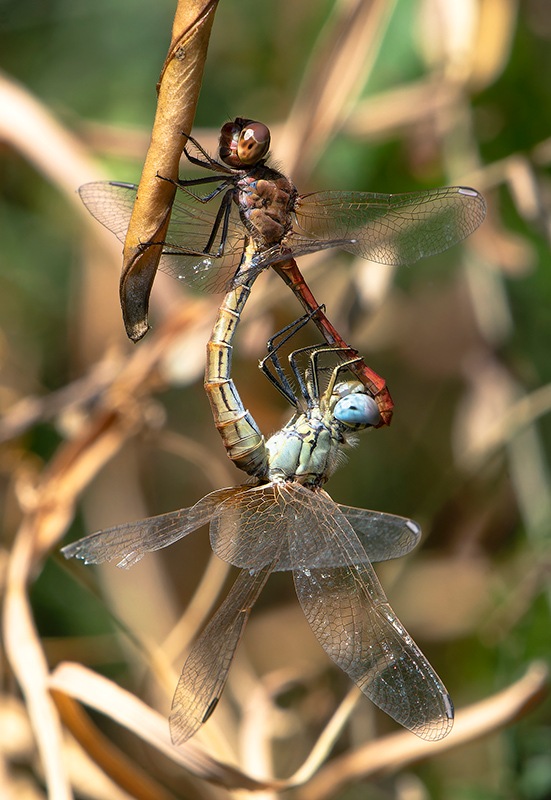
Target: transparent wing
(383, 536)
(130, 542)
(353, 621)
(252, 529)
(390, 228)
(191, 223)
(206, 669)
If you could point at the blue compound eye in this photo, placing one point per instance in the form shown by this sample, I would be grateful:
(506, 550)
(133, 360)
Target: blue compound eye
(357, 409)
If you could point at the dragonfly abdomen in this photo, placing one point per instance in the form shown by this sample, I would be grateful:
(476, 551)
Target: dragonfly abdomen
(242, 439)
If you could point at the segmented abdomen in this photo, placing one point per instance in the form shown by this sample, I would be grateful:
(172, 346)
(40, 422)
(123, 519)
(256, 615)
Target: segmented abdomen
(242, 438)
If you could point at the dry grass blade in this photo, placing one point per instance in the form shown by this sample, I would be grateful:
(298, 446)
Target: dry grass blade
(512, 420)
(396, 751)
(124, 708)
(69, 473)
(27, 660)
(327, 739)
(337, 72)
(389, 753)
(125, 773)
(178, 92)
(55, 153)
(48, 515)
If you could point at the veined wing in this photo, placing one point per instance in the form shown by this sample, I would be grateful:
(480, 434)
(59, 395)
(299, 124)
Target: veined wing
(206, 669)
(191, 223)
(250, 529)
(383, 536)
(391, 229)
(253, 529)
(131, 541)
(354, 623)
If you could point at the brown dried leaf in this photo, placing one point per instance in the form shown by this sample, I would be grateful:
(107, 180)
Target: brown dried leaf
(178, 92)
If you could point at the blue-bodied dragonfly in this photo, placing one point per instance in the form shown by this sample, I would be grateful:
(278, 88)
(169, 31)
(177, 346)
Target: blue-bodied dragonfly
(287, 522)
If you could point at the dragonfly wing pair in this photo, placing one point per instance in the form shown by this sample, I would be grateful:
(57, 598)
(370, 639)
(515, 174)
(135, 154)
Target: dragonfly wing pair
(391, 229)
(191, 224)
(206, 669)
(351, 617)
(328, 548)
(128, 543)
(287, 526)
(232, 510)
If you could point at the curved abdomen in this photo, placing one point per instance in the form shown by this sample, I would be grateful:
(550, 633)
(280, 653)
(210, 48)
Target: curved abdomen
(242, 438)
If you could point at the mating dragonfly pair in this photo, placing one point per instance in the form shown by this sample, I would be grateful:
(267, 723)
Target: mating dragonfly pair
(287, 521)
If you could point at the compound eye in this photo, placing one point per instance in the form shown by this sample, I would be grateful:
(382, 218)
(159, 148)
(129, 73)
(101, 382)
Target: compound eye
(357, 410)
(253, 143)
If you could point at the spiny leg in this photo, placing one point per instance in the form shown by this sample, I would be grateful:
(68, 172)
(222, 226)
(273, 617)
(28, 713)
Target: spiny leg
(280, 380)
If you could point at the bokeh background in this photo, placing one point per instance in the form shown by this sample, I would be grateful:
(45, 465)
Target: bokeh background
(387, 97)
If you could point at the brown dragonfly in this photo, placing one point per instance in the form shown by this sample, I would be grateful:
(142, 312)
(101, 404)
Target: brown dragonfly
(257, 206)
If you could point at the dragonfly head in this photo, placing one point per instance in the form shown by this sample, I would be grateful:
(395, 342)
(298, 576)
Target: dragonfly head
(353, 407)
(243, 142)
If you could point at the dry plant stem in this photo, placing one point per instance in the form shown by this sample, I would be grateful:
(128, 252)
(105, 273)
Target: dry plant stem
(513, 420)
(394, 752)
(337, 72)
(26, 657)
(69, 472)
(178, 93)
(54, 152)
(389, 753)
(124, 772)
(127, 710)
(49, 513)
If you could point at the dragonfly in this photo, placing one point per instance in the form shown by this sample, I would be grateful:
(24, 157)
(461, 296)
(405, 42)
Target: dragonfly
(254, 205)
(287, 522)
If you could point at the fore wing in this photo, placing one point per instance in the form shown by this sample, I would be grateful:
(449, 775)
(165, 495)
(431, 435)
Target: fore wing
(354, 623)
(390, 229)
(253, 529)
(131, 541)
(191, 223)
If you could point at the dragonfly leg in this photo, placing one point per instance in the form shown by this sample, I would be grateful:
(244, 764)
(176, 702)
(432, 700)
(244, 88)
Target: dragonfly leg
(291, 275)
(290, 330)
(222, 216)
(344, 365)
(279, 379)
(209, 162)
(311, 390)
(183, 184)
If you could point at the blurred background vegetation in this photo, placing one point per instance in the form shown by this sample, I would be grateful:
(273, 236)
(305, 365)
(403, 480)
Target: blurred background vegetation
(435, 93)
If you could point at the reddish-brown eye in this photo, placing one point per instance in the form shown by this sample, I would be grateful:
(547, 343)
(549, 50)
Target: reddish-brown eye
(253, 143)
(229, 136)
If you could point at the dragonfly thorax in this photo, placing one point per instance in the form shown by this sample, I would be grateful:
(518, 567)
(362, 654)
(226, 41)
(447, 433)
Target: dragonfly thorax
(266, 199)
(306, 450)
